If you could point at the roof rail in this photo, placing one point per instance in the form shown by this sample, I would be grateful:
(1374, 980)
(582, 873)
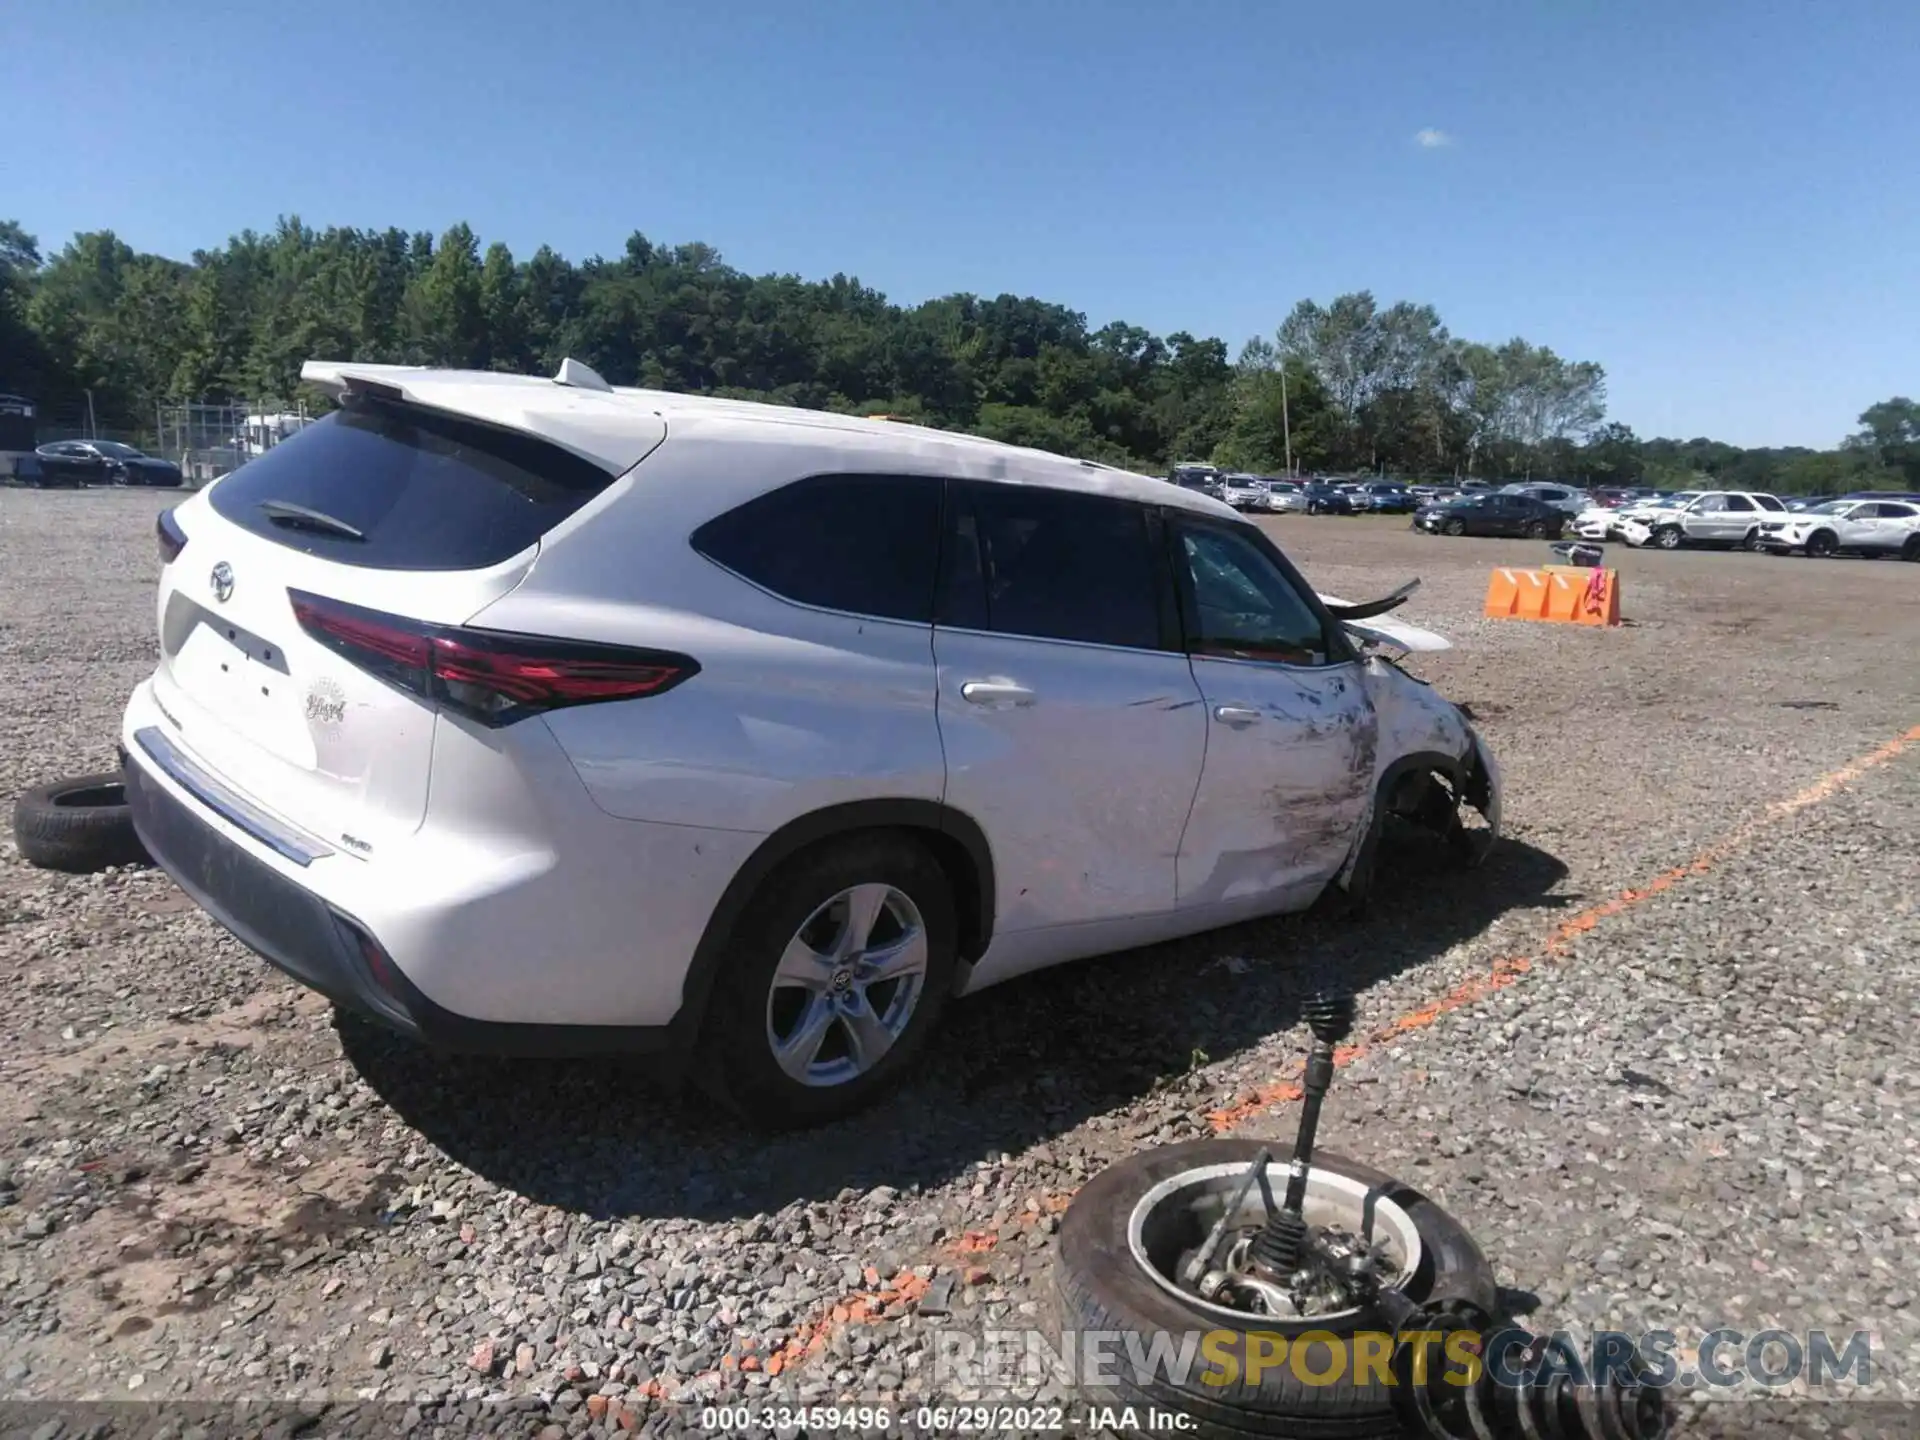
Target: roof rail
(581, 377)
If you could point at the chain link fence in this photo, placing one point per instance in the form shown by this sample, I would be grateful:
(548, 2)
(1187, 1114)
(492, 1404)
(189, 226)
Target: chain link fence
(206, 441)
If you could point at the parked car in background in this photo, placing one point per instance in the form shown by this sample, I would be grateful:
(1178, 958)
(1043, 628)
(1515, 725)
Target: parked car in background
(1796, 503)
(1612, 499)
(693, 783)
(1500, 513)
(1325, 499)
(1597, 522)
(1243, 492)
(1385, 498)
(1712, 517)
(1563, 498)
(1286, 497)
(105, 462)
(1860, 527)
(1203, 479)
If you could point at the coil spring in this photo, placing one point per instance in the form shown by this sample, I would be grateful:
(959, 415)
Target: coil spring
(1550, 1404)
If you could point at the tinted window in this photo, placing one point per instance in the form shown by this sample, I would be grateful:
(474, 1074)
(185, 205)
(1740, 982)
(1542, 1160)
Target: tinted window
(395, 487)
(1739, 502)
(1240, 605)
(860, 543)
(1022, 560)
(1898, 512)
(1768, 502)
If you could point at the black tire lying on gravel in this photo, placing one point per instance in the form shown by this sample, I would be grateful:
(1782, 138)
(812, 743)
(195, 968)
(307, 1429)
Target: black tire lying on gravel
(1101, 1287)
(78, 825)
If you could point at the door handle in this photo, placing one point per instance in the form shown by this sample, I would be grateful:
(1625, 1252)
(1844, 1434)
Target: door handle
(1238, 716)
(995, 694)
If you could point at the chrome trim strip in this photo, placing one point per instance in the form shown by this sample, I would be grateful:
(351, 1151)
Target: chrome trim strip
(281, 838)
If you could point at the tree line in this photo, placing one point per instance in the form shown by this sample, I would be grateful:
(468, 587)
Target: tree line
(1350, 385)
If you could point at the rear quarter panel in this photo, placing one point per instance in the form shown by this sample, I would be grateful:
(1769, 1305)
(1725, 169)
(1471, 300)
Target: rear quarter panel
(794, 709)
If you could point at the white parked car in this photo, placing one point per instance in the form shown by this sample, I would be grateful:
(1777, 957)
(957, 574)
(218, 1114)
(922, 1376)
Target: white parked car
(543, 717)
(1708, 517)
(1244, 492)
(1862, 527)
(1596, 522)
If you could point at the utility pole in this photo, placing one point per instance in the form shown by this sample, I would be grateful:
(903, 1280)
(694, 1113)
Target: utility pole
(1286, 422)
(93, 431)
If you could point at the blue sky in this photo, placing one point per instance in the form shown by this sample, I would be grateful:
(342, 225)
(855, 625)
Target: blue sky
(1714, 199)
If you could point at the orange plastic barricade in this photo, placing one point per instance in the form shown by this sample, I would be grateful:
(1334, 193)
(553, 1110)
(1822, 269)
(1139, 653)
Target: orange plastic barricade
(1567, 594)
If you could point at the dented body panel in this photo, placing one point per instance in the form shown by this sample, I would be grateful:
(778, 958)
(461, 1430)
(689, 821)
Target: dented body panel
(1290, 759)
(1289, 803)
(1430, 761)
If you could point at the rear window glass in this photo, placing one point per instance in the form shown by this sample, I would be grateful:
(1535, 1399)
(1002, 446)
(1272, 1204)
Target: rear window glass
(394, 487)
(865, 544)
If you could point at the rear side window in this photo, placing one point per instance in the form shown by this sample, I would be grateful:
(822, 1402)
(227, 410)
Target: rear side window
(1054, 565)
(865, 544)
(397, 487)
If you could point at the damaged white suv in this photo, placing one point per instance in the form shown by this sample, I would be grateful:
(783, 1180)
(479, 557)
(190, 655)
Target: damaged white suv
(547, 717)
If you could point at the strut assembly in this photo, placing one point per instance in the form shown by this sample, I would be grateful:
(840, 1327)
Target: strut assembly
(1534, 1388)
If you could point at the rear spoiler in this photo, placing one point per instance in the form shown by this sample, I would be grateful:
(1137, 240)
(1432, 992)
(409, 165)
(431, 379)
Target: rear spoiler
(1363, 622)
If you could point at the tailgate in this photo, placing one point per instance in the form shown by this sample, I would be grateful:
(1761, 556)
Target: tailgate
(286, 720)
(394, 508)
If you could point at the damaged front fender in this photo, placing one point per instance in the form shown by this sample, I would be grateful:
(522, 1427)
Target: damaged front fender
(1429, 761)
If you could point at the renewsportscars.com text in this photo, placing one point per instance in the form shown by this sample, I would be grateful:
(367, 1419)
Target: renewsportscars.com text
(1014, 1361)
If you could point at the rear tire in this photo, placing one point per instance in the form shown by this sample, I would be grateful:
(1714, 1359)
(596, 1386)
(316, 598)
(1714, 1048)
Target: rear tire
(738, 1061)
(79, 825)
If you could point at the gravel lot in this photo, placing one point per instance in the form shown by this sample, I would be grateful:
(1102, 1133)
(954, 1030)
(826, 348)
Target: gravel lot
(1693, 1107)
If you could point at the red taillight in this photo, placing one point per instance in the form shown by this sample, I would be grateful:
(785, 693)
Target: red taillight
(493, 677)
(171, 537)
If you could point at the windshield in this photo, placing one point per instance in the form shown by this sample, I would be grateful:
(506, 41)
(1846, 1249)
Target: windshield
(1832, 507)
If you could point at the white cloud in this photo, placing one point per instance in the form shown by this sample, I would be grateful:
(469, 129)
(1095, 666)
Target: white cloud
(1431, 139)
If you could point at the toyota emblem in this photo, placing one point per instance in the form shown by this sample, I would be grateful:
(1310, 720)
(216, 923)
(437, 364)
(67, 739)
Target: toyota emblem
(222, 582)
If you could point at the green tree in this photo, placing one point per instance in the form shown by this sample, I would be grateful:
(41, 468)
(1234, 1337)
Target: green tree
(1890, 433)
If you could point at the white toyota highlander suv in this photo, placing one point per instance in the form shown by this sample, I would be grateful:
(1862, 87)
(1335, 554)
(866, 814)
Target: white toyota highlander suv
(547, 717)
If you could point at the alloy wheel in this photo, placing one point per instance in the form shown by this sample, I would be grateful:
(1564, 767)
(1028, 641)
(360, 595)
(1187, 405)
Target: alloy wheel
(847, 985)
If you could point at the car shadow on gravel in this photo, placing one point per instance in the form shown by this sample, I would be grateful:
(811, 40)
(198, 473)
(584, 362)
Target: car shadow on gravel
(1021, 1064)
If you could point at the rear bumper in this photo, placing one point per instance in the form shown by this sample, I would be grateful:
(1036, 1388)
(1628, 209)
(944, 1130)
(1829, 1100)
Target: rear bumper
(291, 928)
(314, 940)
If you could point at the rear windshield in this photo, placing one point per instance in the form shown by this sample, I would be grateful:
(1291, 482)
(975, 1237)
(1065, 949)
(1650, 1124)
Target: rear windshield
(396, 487)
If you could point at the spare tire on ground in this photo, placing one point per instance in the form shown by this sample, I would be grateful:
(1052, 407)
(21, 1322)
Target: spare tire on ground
(1108, 1280)
(78, 825)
